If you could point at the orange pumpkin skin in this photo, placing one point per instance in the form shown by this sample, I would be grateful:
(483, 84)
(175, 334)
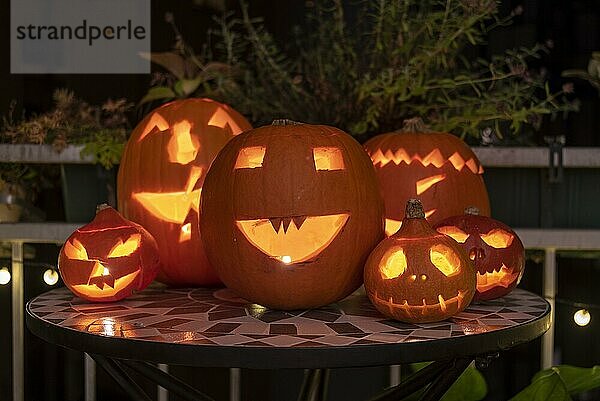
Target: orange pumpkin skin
(290, 214)
(495, 249)
(109, 258)
(160, 180)
(419, 275)
(436, 167)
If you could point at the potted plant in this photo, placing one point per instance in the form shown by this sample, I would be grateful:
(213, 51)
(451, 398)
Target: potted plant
(365, 68)
(97, 133)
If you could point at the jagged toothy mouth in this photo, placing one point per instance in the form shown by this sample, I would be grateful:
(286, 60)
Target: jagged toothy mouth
(293, 239)
(444, 305)
(498, 277)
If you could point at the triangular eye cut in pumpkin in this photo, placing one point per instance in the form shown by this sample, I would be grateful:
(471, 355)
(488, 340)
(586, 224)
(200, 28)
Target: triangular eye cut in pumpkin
(298, 241)
(161, 176)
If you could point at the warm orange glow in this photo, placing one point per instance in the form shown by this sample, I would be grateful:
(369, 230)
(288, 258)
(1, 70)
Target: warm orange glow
(428, 213)
(472, 165)
(156, 120)
(295, 239)
(173, 206)
(250, 157)
(498, 238)
(75, 250)
(391, 226)
(455, 233)
(426, 183)
(445, 259)
(434, 157)
(182, 147)
(457, 161)
(416, 311)
(186, 232)
(328, 158)
(107, 291)
(393, 263)
(502, 278)
(125, 248)
(221, 119)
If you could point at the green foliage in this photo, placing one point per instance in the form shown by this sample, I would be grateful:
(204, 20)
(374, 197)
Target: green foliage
(470, 386)
(592, 74)
(397, 60)
(559, 383)
(102, 130)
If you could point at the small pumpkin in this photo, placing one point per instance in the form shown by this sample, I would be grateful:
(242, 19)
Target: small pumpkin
(109, 258)
(436, 167)
(495, 249)
(290, 213)
(418, 275)
(161, 175)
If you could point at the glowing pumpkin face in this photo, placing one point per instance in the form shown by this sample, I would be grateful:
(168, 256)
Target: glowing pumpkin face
(495, 249)
(109, 258)
(280, 205)
(436, 167)
(418, 275)
(161, 176)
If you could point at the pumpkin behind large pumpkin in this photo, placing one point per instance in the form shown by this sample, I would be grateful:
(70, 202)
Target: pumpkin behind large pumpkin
(161, 176)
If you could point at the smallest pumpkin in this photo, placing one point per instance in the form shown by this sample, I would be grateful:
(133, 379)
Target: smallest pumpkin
(419, 275)
(109, 258)
(495, 249)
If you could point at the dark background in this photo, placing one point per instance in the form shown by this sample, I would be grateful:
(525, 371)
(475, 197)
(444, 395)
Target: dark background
(53, 373)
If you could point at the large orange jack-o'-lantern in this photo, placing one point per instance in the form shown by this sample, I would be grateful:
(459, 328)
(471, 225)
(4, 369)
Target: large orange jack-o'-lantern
(161, 176)
(290, 213)
(419, 275)
(436, 167)
(495, 249)
(109, 258)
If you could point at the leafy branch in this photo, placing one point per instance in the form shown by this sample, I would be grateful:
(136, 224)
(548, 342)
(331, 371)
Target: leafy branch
(367, 67)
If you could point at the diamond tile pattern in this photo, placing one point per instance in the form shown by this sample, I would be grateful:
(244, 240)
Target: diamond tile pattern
(219, 317)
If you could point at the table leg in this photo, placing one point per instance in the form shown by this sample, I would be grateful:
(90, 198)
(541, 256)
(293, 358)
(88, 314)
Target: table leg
(163, 393)
(166, 380)
(130, 387)
(414, 382)
(549, 294)
(90, 378)
(18, 354)
(314, 386)
(439, 387)
(235, 375)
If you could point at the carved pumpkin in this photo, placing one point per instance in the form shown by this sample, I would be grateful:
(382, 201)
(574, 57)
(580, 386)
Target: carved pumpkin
(495, 249)
(436, 167)
(161, 176)
(419, 275)
(109, 258)
(290, 214)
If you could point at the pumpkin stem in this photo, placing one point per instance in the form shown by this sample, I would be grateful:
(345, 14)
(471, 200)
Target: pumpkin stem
(285, 121)
(101, 207)
(472, 210)
(414, 125)
(414, 209)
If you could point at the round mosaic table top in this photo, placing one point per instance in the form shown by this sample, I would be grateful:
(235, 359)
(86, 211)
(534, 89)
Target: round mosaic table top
(214, 327)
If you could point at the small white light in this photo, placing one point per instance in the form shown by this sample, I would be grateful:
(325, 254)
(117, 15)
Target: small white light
(105, 272)
(582, 317)
(4, 276)
(286, 259)
(50, 277)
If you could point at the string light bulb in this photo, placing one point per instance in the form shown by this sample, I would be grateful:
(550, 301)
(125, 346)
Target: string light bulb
(50, 277)
(4, 276)
(582, 317)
